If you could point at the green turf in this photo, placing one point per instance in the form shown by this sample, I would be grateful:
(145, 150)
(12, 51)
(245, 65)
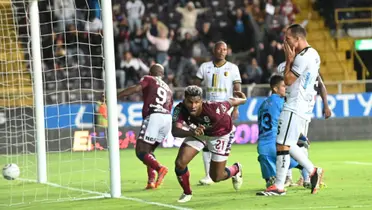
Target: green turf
(349, 185)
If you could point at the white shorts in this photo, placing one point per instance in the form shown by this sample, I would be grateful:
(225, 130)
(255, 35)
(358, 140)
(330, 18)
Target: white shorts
(290, 126)
(155, 128)
(306, 128)
(220, 147)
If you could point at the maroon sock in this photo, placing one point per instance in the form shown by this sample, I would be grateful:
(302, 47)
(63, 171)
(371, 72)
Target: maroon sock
(232, 171)
(150, 161)
(184, 180)
(151, 174)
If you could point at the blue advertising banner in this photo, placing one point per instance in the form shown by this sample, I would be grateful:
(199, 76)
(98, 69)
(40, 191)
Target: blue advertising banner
(129, 114)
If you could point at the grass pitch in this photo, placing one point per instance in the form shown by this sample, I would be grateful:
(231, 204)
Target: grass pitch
(81, 179)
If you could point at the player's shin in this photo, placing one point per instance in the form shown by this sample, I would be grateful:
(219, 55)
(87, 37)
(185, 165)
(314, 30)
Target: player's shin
(183, 176)
(151, 174)
(149, 160)
(207, 160)
(282, 165)
(301, 158)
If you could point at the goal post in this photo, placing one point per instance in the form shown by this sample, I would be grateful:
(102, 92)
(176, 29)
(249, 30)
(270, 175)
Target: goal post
(111, 93)
(38, 92)
(53, 73)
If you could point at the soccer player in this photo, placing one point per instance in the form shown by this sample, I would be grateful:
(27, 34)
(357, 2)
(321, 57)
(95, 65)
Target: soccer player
(300, 75)
(268, 115)
(303, 142)
(157, 121)
(221, 78)
(210, 125)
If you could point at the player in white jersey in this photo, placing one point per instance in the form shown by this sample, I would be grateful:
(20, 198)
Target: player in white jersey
(221, 78)
(304, 144)
(300, 75)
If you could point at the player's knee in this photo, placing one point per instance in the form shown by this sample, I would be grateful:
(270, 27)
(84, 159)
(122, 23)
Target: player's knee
(281, 147)
(180, 164)
(141, 155)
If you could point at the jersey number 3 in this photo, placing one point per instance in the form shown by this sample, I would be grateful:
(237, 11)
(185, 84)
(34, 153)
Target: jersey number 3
(161, 97)
(266, 122)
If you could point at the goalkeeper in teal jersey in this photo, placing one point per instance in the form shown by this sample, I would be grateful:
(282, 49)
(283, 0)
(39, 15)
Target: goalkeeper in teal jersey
(268, 115)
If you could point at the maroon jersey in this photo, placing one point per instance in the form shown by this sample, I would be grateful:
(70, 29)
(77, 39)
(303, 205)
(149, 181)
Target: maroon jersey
(214, 117)
(157, 96)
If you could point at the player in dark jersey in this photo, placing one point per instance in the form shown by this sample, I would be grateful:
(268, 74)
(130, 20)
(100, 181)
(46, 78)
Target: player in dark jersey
(157, 121)
(207, 123)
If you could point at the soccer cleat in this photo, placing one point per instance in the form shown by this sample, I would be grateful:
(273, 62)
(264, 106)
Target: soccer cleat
(161, 174)
(271, 181)
(271, 191)
(237, 180)
(184, 198)
(150, 186)
(206, 181)
(307, 185)
(315, 179)
(288, 182)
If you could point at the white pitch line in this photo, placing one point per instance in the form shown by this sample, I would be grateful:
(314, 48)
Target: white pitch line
(358, 163)
(318, 207)
(106, 195)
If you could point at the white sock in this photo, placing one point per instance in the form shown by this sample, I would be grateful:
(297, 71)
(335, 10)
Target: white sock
(289, 173)
(207, 162)
(304, 173)
(282, 164)
(301, 158)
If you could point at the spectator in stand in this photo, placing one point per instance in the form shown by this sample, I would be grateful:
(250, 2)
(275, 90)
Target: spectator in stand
(161, 44)
(64, 11)
(138, 42)
(274, 25)
(133, 69)
(269, 69)
(289, 9)
(208, 36)
(189, 17)
(252, 73)
(156, 26)
(187, 66)
(135, 11)
(242, 36)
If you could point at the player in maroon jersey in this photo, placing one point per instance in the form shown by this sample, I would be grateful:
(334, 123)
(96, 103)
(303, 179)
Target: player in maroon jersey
(157, 121)
(208, 123)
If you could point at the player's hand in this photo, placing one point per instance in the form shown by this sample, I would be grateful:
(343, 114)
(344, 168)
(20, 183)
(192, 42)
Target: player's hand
(235, 114)
(290, 52)
(327, 112)
(199, 131)
(239, 94)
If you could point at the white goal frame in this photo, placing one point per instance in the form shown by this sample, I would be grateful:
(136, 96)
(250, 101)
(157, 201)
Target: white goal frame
(109, 67)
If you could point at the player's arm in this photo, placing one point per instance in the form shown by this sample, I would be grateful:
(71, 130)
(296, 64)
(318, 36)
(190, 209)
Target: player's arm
(199, 77)
(177, 125)
(238, 101)
(291, 71)
(323, 94)
(130, 90)
(289, 76)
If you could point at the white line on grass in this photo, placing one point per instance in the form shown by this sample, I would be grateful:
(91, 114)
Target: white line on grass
(358, 163)
(106, 195)
(318, 207)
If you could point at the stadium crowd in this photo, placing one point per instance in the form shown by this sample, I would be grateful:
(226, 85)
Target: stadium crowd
(177, 34)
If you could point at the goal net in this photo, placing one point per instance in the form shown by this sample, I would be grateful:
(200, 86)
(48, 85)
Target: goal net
(71, 44)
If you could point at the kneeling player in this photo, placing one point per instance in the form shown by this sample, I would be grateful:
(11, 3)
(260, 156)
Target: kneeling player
(268, 115)
(157, 121)
(210, 124)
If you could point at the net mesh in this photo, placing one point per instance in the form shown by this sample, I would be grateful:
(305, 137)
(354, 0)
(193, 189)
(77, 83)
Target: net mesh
(72, 66)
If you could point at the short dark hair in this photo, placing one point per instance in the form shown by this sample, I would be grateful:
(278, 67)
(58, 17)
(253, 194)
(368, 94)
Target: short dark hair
(297, 30)
(193, 91)
(275, 80)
